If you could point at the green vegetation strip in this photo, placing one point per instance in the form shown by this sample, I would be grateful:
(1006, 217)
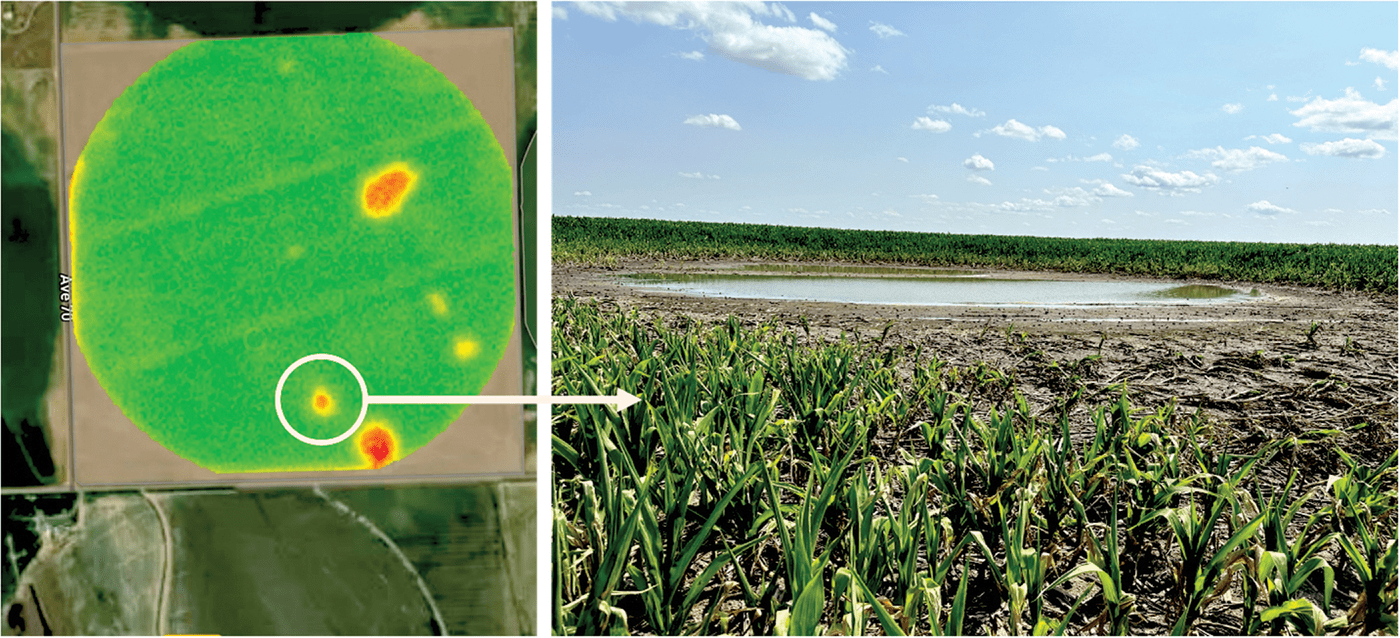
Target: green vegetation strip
(771, 483)
(1345, 267)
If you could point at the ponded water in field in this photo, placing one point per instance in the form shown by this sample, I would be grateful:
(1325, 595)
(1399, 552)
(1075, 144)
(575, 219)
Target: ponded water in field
(808, 269)
(935, 291)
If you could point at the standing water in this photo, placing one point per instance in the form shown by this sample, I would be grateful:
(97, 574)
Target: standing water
(965, 289)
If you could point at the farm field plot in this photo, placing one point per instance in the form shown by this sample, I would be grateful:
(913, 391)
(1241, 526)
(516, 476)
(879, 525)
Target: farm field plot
(367, 561)
(837, 468)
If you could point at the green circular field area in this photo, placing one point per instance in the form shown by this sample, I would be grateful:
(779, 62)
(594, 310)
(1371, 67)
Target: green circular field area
(247, 203)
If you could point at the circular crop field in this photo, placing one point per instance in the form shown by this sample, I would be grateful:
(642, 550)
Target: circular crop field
(248, 203)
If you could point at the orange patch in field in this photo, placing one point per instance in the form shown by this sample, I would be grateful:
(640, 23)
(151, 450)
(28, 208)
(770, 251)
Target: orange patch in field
(322, 402)
(377, 443)
(384, 193)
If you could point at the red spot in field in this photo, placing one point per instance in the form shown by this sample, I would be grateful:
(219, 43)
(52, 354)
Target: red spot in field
(322, 401)
(385, 191)
(378, 444)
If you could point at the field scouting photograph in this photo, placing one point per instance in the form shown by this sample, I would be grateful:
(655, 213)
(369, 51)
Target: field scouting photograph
(975, 318)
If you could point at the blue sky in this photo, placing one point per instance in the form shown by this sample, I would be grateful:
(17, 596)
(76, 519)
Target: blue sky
(1249, 121)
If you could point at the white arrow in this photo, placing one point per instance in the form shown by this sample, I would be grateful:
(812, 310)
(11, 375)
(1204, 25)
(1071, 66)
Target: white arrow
(622, 400)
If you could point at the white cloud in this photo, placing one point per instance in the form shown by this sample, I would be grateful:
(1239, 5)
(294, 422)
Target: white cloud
(1026, 205)
(582, 194)
(978, 179)
(734, 31)
(1015, 129)
(879, 69)
(714, 121)
(929, 198)
(1273, 97)
(560, 13)
(1232, 108)
(884, 30)
(903, 159)
(1272, 138)
(957, 109)
(1349, 147)
(1391, 59)
(1101, 157)
(931, 125)
(1072, 197)
(1350, 114)
(1379, 84)
(694, 56)
(1381, 211)
(1263, 207)
(1039, 168)
(822, 23)
(1126, 143)
(1109, 190)
(979, 163)
(1235, 159)
(698, 176)
(1155, 179)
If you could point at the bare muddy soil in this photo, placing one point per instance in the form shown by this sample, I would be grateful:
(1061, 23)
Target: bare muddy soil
(1256, 371)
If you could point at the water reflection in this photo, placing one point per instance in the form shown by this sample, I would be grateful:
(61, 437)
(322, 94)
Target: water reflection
(861, 270)
(933, 290)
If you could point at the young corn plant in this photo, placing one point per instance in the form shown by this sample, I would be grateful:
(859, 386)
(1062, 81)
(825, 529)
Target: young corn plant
(1281, 568)
(948, 475)
(1026, 565)
(1201, 574)
(670, 549)
(1375, 565)
(1357, 495)
(805, 567)
(817, 387)
(1006, 458)
(1102, 564)
(1069, 480)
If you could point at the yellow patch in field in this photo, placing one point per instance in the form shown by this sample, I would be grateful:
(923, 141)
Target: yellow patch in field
(439, 304)
(466, 349)
(79, 170)
(295, 252)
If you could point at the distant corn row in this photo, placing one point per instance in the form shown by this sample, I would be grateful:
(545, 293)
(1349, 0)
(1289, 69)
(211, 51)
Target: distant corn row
(1344, 267)
(771, 484)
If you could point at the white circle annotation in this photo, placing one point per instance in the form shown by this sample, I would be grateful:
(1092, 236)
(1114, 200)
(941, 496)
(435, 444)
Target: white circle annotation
(364, 399)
